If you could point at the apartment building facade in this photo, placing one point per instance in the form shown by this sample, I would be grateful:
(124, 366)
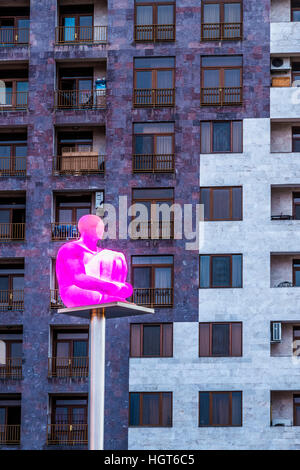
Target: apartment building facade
(160, 102)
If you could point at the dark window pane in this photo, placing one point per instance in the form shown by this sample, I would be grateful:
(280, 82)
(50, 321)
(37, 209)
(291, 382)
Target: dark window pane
(226, 61)
(237, 203)
(221, 271)
(236, 334)
(167, 340)
(144, 80)
(204, 339)
(144, 15)
(221, 137)
(220, 340)
(151, 340)
(154, 62)
(135, 340)
(237, 271)
(142, 277)
(204, 271)
(151, 409)
(211, 14)
(166, 409)
(297, 278)
(204, 409)
(221, 204)
(205, 199)
(80, 349)
(236, 408)
(165, 14)
(205, 137)
(16, 350)
(237, 136)
(134, 419)
(144, 144)
(297, 211)
(220, 409)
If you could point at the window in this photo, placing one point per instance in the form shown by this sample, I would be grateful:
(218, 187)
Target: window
(154, 20)
(221, 20)
(150, 409)
(296, 139)
(69, 209)
(153, 147)
(12, 285)
(14, 26)
(10, 419)
(12, 218)
(221, 81)
(295, 11)
(224, 203)
(220, 271)
(151, 340)
(13, 152)
(75, 88)
(11, 354)
(152, 279)
(296, 273)
(68, 421)
(220, 339)
(154, 82)
(70, 354)
(13, 89)
(220, 409)
(76, 23)
(222, 137)
(156, 224)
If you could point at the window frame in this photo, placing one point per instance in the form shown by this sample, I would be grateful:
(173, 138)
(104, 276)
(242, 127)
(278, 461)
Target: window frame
(160, 425)
(85, 205)
(211, 200)
(210, 324)
(70, 409)
(211, 393)
(154, 137)
(142, 326)
(221, 21)
(211, 131)
(219, 255)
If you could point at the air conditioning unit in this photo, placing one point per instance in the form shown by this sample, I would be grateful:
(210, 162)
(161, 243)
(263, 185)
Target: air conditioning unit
(280, 63)
(296, 83)
(281, 422)
(276, 332)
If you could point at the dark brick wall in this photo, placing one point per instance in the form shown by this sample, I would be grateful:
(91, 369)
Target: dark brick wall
(118, 181)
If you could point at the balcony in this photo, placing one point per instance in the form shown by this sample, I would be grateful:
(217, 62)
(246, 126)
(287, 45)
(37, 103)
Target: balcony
(67, 434)
(80, 99)
(12, 299)
(222, 31)
(68, 367)
(12, 369)
(13, 37)
(13, 101)
(154, 98)
(10, 434)
(12, 166)
(153, 163)
(229, 96)
(285, 270)
(163, 230)
(64, 231)
(55, 300)
(72, 35)
(154, 33)
(285, 408)
(74, 162)
(12, 232)
(148, 297)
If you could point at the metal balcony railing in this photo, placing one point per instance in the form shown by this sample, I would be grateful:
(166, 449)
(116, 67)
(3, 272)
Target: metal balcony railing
(152, 230)
(226, 96)
(80, 99)
(13, 231)
(10, 434)
(11, 300)
(12, 369)
(79, 163)
(154, 98)
(64, 231)
(149, 297)
(68, 367)
(81, 34)
(154, 32)
(222, 31)
(14, 36)
(13, 101)
(153, 163)
(12, 166)
(55, 300)
(67, 434)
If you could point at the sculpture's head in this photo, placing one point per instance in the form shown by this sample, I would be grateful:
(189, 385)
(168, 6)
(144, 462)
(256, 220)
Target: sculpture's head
(91, 228)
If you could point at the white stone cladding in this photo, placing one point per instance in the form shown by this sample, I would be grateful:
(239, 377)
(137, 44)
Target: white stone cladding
(256, 373)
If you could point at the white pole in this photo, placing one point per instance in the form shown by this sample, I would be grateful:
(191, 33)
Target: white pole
(96, 379)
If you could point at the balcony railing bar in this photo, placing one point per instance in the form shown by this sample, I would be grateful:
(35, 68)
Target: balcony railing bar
(80, 99)
(153, 163)
(153, 297)
(225, 96)
(12, 166)
(153, 229)
(67, 434)
(10, 434)
(68, 367)
(222, 31)
(12, 231)
(11, 299)
(64, 231)
(14, 36)
(79, 165)
(13, 100)
(12, 369)
(155, 32)
(154, 98)
(81, 34)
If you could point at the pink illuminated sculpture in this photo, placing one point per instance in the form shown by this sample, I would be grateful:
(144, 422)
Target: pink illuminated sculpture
(88, 275)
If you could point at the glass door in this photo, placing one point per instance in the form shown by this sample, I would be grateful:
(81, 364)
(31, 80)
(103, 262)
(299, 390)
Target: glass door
(22, 30)
(86, 28)
(69, 30)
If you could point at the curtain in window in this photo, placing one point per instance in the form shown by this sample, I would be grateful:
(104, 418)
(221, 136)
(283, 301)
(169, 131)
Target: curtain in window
(221, 137)
(221, 271)
(220, 340)
(151, 340)
(220, 408)
(205, 137)
(144, 15)
(211, 79)
(236, 271)
(2, 352)
(232, 77)
(211, 13)
(134, 418)
(165, 14)
(237, 133)
(164, 145)
(144, 145)
(204, 271)
(164, 79)
(236, 203)
(151, 409)
(232, 13)
(162, 278)
(221, 204)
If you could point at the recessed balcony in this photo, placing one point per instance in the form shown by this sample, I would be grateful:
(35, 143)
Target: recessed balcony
(224, 96)
(11, 284)
(285, 270)
(285, 408)
(10, 419)
(11, 353)
(12, 217)
(222, 21)
(14, 89)
(285, 203)
(285, 26)
(14, 25)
